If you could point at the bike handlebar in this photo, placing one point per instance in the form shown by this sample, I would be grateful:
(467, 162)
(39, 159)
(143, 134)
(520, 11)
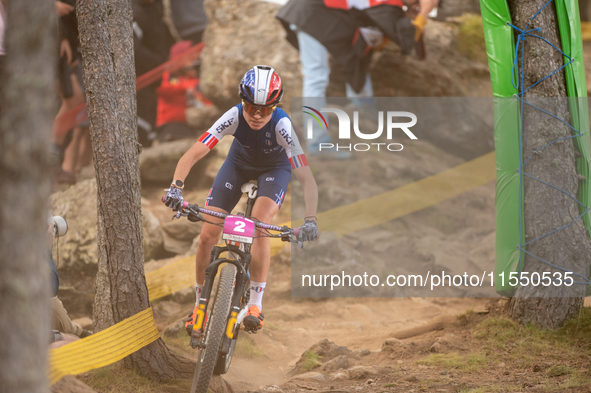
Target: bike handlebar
(295, 231)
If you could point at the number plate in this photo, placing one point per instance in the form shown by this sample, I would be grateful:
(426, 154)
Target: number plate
(238, 229)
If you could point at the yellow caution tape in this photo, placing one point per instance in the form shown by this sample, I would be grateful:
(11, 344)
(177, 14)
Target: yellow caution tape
(586, 31)
(103, 348)
(124, 338)
(171, 278)
(410, 198)
(355, 216)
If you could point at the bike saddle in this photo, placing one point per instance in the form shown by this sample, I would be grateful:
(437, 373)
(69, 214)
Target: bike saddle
(250, 189)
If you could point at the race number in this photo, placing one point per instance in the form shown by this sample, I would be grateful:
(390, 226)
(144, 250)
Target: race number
(238, 229)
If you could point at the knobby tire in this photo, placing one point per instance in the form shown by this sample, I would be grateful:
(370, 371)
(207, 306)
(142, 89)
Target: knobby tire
(216, 329)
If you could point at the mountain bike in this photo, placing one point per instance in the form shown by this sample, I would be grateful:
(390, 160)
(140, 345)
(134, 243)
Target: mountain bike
(223, 303)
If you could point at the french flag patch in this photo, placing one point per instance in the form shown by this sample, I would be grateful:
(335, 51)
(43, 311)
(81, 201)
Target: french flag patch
(208, 140)
(279, 199)
(298, 161)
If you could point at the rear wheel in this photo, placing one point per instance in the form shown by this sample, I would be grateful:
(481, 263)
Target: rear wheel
(215, 330)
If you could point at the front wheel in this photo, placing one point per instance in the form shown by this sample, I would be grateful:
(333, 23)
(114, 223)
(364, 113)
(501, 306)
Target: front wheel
(215, 330)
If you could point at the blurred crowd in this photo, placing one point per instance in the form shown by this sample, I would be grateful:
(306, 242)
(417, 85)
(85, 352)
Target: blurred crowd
(349, 30)
(162, 30)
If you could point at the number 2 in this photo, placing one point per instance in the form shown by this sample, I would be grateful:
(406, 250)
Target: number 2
(240, 226)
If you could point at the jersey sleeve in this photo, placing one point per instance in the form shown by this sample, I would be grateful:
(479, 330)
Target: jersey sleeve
(288, 139)
(225, 125)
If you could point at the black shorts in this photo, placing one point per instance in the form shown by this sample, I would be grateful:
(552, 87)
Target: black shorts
(225, 192)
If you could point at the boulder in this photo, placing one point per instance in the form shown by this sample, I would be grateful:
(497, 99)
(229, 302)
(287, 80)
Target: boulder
(239, 35)
(341, 361)
(77, 249)
(158, 162)
(325, 351)
(75, 253)
(362, 372)
(202, 118)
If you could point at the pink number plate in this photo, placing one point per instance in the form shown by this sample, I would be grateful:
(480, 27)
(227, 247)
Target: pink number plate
(238, 229)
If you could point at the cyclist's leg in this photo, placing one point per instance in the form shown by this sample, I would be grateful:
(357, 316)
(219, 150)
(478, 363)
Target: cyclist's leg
(223, 196)
(272, 187)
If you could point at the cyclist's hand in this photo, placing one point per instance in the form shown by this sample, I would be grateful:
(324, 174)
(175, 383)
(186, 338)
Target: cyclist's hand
(308, 232)
(174, 199)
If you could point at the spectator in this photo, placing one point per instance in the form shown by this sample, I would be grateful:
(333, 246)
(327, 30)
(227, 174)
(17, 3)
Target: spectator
(178, 91)
(350, 34)
(152, 41)
(186, 19)
(78, 152)
(61, 322)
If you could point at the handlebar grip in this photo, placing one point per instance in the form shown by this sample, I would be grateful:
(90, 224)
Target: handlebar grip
(296, 231)
(185, 203)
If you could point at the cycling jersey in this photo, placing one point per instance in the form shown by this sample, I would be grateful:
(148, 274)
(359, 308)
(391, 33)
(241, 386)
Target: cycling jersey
(266, 155)
(273, 145)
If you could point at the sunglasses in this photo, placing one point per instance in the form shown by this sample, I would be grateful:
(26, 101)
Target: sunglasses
(254, 109)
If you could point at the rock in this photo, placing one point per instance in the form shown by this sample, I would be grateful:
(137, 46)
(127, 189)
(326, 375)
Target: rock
(219, 385)
(176, 246)
(361, 353)
(166, 309)
(71, 384)
(393, 345)
(202, 118)
(325, 351)
(158, 162)
(183, 230)
(341, 361)
(77, 249)
(153, 238)
(416, 378)
(240, 34)
(175, 329)
(310, 376)
(362, 372)
(193, 247)
(328, 350)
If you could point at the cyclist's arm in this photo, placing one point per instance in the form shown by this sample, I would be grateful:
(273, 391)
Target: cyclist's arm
(190, 158)
(225, 125)
(287, 138)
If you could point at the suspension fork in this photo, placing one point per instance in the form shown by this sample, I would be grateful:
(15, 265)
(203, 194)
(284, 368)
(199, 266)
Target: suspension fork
(210, 273)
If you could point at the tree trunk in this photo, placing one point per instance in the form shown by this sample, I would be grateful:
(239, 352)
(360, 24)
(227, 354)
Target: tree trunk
(28, 106)
(105, 28)
(545, 208)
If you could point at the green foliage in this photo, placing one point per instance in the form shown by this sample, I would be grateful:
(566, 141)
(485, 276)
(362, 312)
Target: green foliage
(116, 379)
(469, 363)
(311, 361)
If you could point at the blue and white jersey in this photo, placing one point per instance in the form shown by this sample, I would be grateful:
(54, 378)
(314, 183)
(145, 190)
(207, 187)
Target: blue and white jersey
(276, 144)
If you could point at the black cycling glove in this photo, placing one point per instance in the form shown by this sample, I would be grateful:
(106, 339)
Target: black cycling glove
(308, 232)
(174, 199)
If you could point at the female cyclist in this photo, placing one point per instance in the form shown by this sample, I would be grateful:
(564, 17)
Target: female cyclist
(265, 149)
